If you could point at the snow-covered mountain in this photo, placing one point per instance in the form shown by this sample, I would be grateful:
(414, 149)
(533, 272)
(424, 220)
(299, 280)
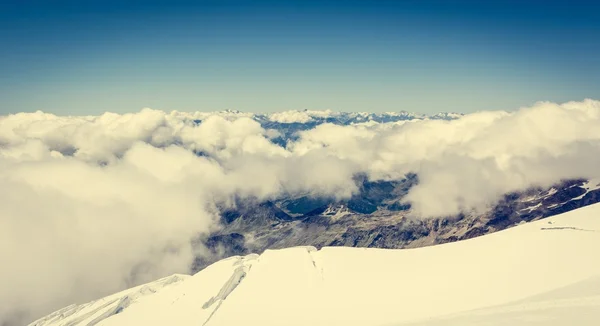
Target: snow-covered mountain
(288, 123)
(540, 273)
(313, 116)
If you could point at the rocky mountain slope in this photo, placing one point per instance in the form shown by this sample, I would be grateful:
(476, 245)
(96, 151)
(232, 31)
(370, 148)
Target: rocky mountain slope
(376, 218)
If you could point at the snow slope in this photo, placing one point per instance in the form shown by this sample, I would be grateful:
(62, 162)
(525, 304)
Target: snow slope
(541, 273)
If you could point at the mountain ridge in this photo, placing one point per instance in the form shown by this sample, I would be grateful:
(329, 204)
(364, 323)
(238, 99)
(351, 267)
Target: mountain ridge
(256, 227)
(306, 286)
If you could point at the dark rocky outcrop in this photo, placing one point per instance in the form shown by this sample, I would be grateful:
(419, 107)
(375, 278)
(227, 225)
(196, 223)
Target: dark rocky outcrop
(377, 217)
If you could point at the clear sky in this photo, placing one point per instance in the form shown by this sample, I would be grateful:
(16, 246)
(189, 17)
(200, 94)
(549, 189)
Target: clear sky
(87, 57)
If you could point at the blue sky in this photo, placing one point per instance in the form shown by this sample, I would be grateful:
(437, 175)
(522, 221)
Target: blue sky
(87, 57)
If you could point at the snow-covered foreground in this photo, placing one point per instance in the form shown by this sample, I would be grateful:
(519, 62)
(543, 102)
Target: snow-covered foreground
(541, 273)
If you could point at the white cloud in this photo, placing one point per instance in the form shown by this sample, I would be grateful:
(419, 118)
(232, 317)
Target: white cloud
(73, 229)
(291, 117)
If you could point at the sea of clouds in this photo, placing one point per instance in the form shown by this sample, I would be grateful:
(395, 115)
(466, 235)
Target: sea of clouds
(90, 205)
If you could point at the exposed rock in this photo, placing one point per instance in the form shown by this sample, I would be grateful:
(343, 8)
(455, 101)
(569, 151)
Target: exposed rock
(376, 217)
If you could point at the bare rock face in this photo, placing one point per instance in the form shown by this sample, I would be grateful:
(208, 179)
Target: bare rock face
(377, 218)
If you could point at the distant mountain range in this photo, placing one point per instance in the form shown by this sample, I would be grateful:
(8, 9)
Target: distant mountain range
(312, 118)
(288, 123)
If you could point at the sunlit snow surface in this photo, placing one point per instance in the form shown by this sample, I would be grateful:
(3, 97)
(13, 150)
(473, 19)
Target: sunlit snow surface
(542, 273)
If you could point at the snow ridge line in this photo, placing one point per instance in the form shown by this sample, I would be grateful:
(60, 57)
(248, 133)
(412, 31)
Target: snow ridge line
(84, 316)
(121, 305)
(310, 251)
(568, 228)
(243, 267)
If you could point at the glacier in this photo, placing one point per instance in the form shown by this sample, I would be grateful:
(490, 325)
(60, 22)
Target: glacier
(539, 273)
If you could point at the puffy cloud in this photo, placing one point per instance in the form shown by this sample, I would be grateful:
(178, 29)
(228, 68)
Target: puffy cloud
(468, 163)
(71, 231)
(92, 204)
(291, 117)
(294, 116)
(535, 146)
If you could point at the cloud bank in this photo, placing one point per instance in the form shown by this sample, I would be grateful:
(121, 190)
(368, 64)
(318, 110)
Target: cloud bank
(90, 205)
